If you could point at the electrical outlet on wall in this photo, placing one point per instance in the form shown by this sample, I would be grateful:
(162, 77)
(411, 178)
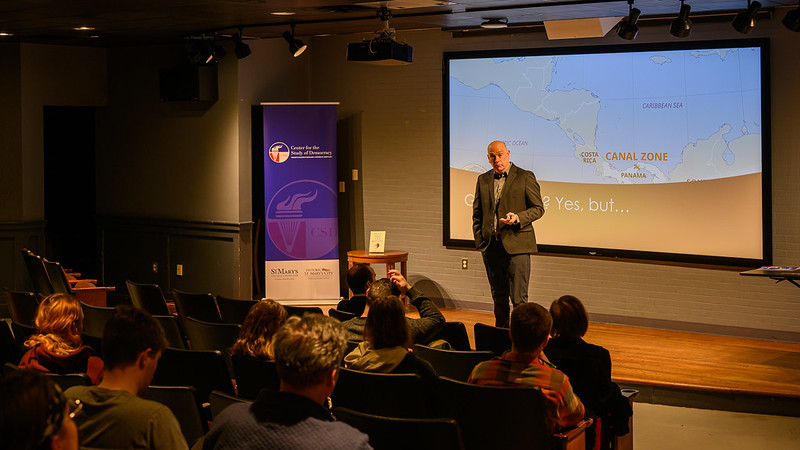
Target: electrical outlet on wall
(464, 263)
(179, 270)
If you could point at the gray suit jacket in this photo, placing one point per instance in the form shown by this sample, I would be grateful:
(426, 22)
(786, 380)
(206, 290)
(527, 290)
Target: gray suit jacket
(521, 195)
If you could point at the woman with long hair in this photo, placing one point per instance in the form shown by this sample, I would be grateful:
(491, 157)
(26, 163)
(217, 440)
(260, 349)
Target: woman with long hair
(386, 342)
(260, 324)
(57, 348)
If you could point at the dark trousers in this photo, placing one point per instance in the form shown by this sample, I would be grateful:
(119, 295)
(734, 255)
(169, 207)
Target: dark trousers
(509, 276)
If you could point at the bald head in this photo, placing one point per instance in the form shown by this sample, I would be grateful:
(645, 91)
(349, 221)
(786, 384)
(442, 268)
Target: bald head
(498, 156)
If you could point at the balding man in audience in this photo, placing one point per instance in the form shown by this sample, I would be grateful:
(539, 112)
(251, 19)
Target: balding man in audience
(308, 354)
(422, 330)
(114, 414)
(524, 365)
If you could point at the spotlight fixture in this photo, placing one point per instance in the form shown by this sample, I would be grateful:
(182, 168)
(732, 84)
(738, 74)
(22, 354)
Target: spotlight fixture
(681, 26)
(240, 49)
(498, 22)
(627, 26)
(746, 20)
(296, 46)
(792, 20)
(216, 54)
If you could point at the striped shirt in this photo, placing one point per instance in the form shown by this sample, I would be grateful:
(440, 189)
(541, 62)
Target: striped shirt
(523, 369)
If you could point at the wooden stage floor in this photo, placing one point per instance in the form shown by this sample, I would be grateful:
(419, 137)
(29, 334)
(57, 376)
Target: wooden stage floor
(692, 369)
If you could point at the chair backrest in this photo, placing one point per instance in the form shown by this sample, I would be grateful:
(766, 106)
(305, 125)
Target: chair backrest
(494, 416)
(58, 279)
(220, 400)
(300, 310)
(253, 374)
(21, 306)
(234, 310)
(205, 370)
(148, 297)
(455, 364)
(9, 350)
(210, 336)
(38, 274)
(400, 433)
(198, 306)
(492, 338)
(173, 331)
(383, 394)
(22, 333)
(63, 381)
(95, 318)
(455, 333)
(341, 316)
(183, 403)
(95, 342)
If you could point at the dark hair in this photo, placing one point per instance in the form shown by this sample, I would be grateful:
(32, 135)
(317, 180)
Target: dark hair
(260, 324)
(31, 410)
(358, 276)
(381, 289)
(530, 326)
(307, 349)
(128, 332)
(386, 324)
(569, 317)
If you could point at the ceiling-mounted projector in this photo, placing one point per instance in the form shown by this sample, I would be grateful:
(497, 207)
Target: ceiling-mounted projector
(382, 49)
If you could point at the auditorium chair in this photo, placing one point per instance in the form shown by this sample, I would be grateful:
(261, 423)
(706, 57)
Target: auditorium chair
(204, 370)
(495, 339)
(9, 350)
(182, 401)
(197, 306)
(95, 342)
(383, 394)
(22, 333)
(95, 318)
(173, 331)
(233, 310)
(455, 333)
(210, 336)
(393, 433)
(37, 273)
(148, 297)
(83, 290)
(503, 417)
(22, 306)
(220, 400)
(253, 374)
(455, 364)
(63, 381)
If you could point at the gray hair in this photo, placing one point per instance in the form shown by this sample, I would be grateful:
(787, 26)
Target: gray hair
(307, 349)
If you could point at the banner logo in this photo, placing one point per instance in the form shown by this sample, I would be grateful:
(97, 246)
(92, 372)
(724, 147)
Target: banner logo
(279, 152)
(302, 220)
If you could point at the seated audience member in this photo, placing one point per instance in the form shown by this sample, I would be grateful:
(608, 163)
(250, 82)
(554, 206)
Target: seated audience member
(359, 278)
(260, 324)
(422, 330)
(523, 366)
(308, 353)
(386, 342)
(114, 414)
(34, 414)
(587, 366)
(57, 348)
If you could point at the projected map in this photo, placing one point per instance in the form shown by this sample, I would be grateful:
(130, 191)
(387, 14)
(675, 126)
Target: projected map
(621, 118)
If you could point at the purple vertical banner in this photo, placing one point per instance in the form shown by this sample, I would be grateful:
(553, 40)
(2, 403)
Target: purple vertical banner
(300, 201)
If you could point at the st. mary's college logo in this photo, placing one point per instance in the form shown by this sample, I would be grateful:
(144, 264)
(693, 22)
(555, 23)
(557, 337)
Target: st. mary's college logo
(302, 220)
(278, 152)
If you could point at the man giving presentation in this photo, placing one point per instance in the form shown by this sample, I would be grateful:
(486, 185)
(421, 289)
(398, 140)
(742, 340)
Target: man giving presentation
(507, 201)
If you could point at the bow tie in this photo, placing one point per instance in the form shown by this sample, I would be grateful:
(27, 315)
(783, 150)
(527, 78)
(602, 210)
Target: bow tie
(497, 176)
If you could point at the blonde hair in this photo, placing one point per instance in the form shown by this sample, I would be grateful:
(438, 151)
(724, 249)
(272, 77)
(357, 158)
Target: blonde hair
(59, 320)
(261, 323)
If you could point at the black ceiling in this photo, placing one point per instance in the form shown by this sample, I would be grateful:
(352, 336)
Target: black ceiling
(132, 22)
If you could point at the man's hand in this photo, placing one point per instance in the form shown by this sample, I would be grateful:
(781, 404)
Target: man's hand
(510, 219)
(397, 278)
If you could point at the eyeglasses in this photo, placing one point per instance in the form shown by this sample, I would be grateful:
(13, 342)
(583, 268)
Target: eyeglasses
(75, 408)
